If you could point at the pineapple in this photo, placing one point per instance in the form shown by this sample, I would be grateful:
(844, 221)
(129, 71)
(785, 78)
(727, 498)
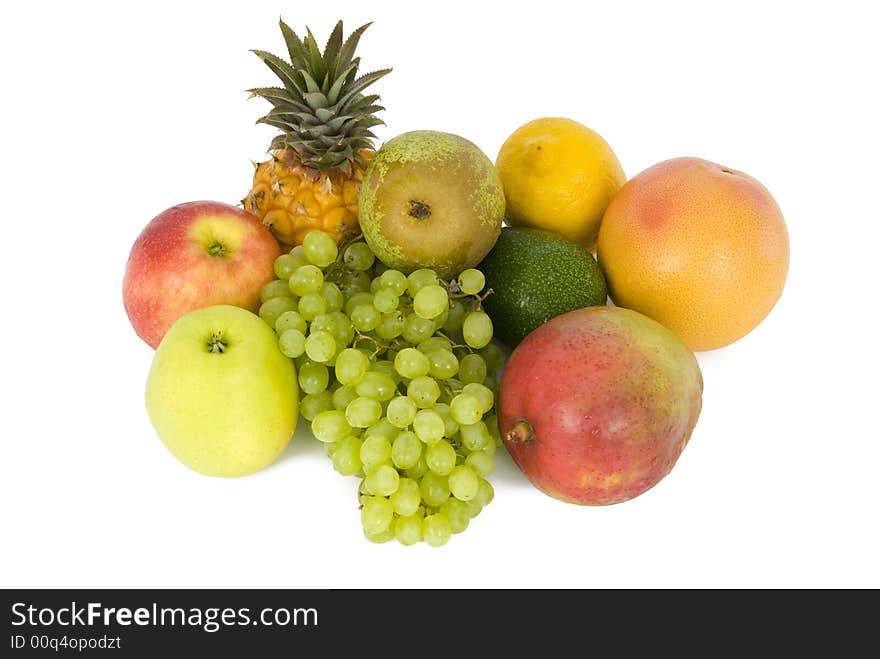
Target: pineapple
(317, 162)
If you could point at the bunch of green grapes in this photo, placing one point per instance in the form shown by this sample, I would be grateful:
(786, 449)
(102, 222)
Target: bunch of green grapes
(398, 376)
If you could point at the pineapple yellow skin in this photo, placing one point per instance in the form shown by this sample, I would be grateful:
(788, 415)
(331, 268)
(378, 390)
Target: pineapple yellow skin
(292, 200)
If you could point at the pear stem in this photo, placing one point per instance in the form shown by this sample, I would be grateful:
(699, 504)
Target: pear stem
(419, 210)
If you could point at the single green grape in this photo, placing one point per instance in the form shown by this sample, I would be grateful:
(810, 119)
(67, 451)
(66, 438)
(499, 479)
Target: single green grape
(291, 320)
(376, 385)
(493, 355)
(391, 325)
(434, 488)
(272, 308)
(312, 405)
(408, 529)
(436, 529)
(375, 450)
(406, 450)
(485, 493)
(440, 457)
(351, 366)
(382, 428)
(284, 266)
(474, 436)
(435, 343)
(322, 323)
(365, 317)
(382, 480)
(394, 280)
(463, 482)
(482, 393)
(424, 390)
(457, 513)
(472, 368)
(385, 300)
(332, 296)
(419, 469)
(363, 412)
(320, 248)
(331, 425)
(359, 298)
(471, 281)
(354, 281)
(306, 279)
(474, 508)
(430, 301)
(383, 536)
(429, 426)
(481, 462)
(292, 343)
(299, 255)
(347, 456)
(320, 346)
(313, 377)
(343, 332)
(416, 329)
(477, 329)
(275, 288)
(420, 278)
(358, 256)
(451, 425)
(376, 514)
(312, 305)
(465, 409)
(411, 363)
(443, 364)
(387, 367)
(401, 410)
(342, 396)
(455, 316)
(406, 498)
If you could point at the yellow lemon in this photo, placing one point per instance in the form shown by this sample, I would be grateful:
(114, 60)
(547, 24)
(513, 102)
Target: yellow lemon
(558, 175)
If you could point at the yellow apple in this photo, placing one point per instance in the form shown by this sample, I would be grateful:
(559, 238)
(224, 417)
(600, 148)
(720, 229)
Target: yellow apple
(221, 396)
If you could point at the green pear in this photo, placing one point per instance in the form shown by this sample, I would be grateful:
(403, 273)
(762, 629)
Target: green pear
(221, 396)
(431, 200)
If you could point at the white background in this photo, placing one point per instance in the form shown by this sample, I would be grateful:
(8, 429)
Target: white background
(113, 112)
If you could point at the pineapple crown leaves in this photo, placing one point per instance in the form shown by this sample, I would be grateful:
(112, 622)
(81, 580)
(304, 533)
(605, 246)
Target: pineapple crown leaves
(321, 110)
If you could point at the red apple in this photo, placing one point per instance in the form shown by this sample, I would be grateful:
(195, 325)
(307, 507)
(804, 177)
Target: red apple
(596, 405)
(195, 255)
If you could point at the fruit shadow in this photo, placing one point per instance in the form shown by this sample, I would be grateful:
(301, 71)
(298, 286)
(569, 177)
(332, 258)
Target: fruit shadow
(507, 472)
(302, 444)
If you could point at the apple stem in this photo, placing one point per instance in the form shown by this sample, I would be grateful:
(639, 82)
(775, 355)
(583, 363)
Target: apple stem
(521, 432)
(217, 248)
(217, 345)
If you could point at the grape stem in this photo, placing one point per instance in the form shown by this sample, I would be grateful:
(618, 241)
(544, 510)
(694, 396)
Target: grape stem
(337, 269)
(453, 343)
(359, 336)
(480, 298)
(453, 290)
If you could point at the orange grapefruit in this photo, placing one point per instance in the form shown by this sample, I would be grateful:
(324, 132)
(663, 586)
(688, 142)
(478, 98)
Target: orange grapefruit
(701, 248)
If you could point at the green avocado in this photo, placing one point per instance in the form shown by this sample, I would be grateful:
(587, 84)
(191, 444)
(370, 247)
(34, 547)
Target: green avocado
(535, 276)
